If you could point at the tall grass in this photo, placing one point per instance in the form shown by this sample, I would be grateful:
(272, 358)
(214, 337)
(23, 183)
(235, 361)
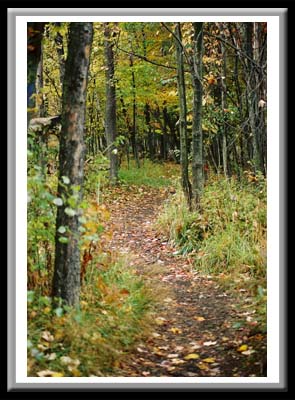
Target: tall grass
(115, 312)
(228, 234)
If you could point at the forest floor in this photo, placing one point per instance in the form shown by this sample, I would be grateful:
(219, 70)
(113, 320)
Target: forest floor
(197, 329)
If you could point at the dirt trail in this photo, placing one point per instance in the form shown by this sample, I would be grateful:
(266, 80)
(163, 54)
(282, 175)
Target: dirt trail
(193, 333)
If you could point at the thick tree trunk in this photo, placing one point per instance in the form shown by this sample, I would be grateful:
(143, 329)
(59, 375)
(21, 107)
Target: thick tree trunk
(185, 182)
(34, 38)
(110, 114)
(197, 135)
(66, 279)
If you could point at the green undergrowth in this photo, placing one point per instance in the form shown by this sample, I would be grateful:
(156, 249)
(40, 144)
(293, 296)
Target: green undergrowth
(227, 237)
(115, 311)
(149, 174)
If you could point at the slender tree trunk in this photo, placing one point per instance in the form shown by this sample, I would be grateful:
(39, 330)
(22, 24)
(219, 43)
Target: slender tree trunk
(197, 135)
(34, 38)
(253, 94)
(185, 182)
(66, 279)
(110, 118)
(223, 106)
(150, 141)
(60, 53)
(133, 132)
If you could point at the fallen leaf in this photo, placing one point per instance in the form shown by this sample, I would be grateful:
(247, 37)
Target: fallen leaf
(160, 321)
(177, 361)
(172, 355)
(209, 343)
(176, 331)
(141, 350)
(70, 362)
(248, 352)
(243, 347)
(46, 335)
(50, 357)
(168, 300)
(157, 352)
(192, 356)
(208, 360)
(199, 319)
(203, 366)
(49, 373)
(125, 291)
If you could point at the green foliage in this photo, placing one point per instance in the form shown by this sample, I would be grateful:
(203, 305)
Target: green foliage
(114, 312)
(150, 174)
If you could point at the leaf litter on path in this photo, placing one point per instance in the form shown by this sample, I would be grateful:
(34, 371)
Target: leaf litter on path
(195, 314)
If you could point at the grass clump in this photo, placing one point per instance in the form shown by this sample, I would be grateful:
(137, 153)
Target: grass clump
(229, 233)
(228, 236)
(114, 313)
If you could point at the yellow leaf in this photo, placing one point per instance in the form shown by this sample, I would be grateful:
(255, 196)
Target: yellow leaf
(192, 356)
(199, 318)
(176, 331)
(47, 310)
(209, 360)
(203, 366)
(243, 347)
(160, 321)
(57, 374)
(75, 372)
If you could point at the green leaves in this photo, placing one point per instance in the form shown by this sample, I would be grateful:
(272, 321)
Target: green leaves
(70, 212)
(58, 201)
(63, 240)
(61, 229)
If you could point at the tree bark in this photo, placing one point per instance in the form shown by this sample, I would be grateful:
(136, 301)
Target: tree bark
(185, 182)
(223, 106)
(60, 53)
(197, 135)
(253, 95)
(133, 131)
(66, 279)
(110, 111)
(34, 39)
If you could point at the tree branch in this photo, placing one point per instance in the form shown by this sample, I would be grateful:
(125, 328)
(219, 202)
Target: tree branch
(179, 41)
(237, 49)
(145, 58)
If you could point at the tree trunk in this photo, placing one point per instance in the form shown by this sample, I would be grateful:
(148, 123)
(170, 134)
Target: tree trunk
(110, 113)
(133, 131)
(197, 135)
(60, 53)
(185, 182)
(150, 139)
(34, 38)
(223, 106)
(66, 279)
(253, 94)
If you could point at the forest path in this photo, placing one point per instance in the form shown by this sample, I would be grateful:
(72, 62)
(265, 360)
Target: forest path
(196, 332)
